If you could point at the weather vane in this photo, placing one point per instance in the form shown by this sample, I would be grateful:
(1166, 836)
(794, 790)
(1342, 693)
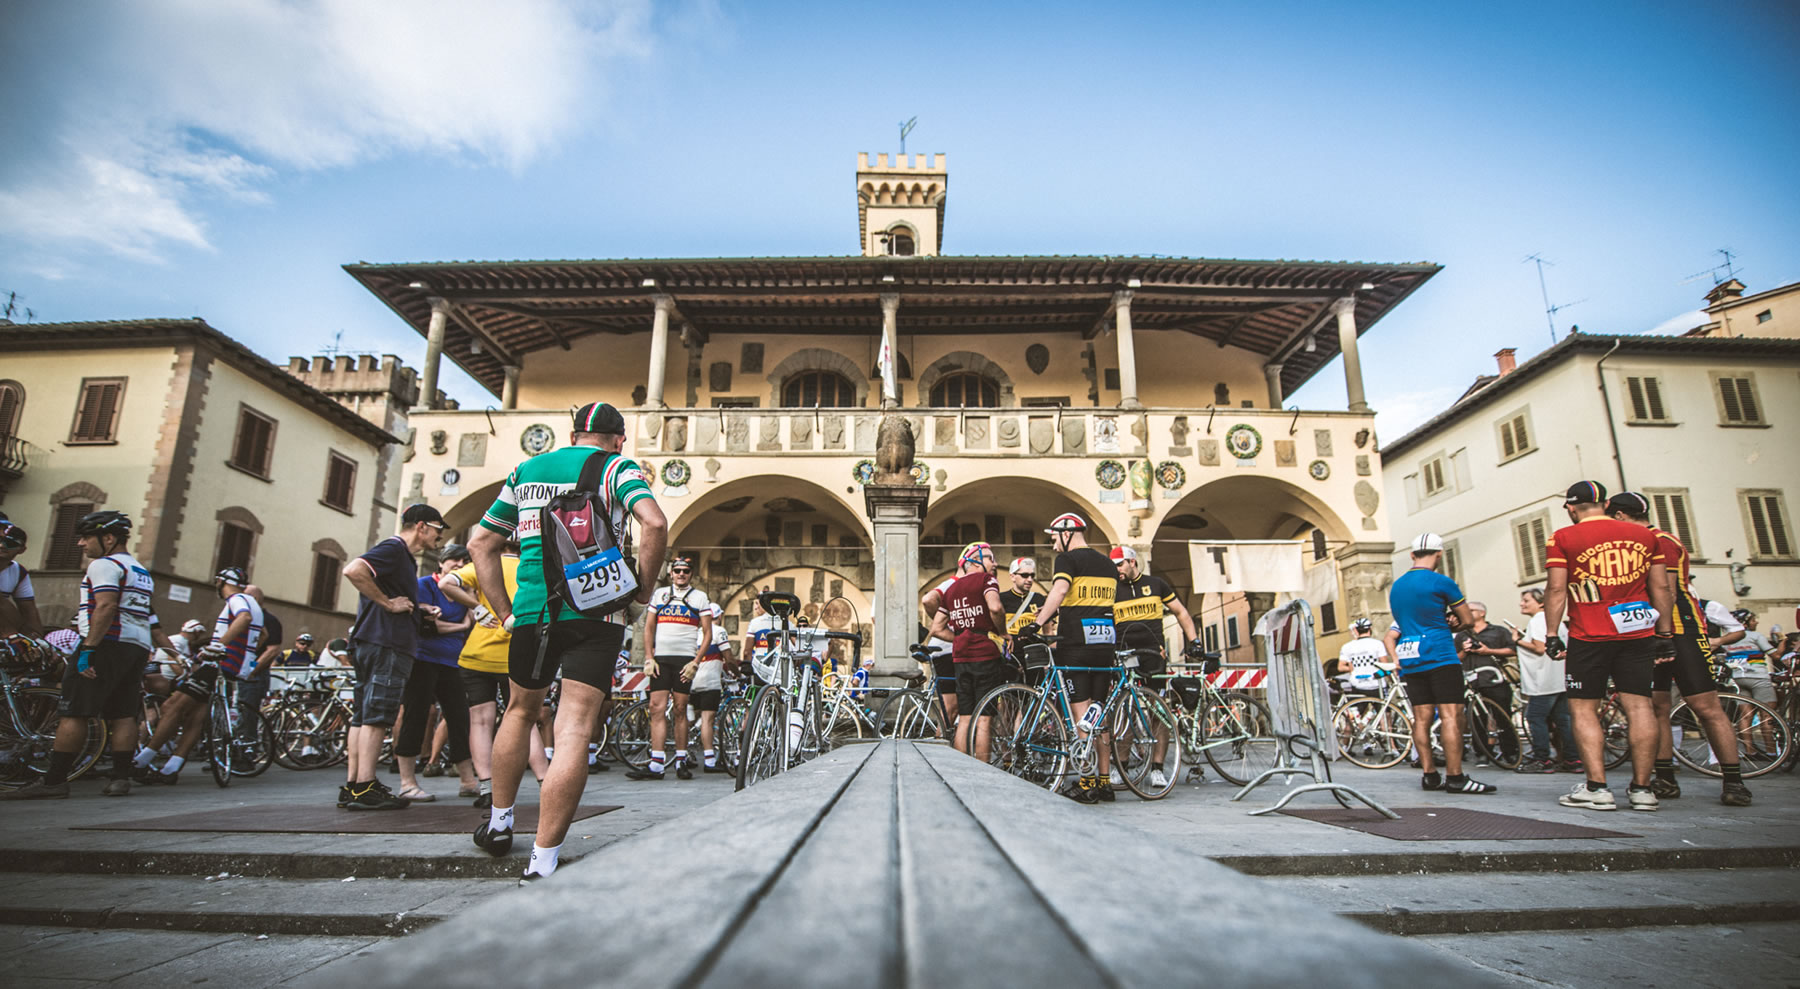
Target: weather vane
(905, 129)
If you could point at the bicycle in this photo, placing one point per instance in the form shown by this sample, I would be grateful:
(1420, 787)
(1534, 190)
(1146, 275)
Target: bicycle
(1755, 725)
(310, 717)
(915, 712)
(1376, 732)
(785, 725)
(28, 667)
(227, 751)
(1490, 727)
(1233, 730)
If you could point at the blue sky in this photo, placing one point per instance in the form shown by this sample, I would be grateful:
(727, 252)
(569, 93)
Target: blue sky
(216, 159)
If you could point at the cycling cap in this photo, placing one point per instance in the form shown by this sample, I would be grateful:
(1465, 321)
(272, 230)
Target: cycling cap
(338, 645)
(421, 512)
(95, 523)
(1428, 542)
(304, 637)
(1120, 554)
(715, 611)
(231, 575)
(193, 625)
(1067, 522)
(455, 551)
(1024, 565)
(972, 553)
(599, 417)
(1362, 625)
(1629, 503)
(1586, 493)
(11, 535)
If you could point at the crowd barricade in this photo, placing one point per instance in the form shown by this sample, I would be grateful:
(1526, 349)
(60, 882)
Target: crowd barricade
(1300, 705)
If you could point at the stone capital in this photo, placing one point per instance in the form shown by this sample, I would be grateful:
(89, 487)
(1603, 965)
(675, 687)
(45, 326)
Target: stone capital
(1345, 306)
(438, 305)
(664, 304)
(1122, 298)
(890, 302)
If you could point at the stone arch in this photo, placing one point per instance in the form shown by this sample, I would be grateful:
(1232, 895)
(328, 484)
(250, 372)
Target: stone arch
(1257, 507)
(1024, 503)
(817, 359)
(237, 515)
(12, 407)
(331, 548)
(958, 361)
(463, 515)
(79, 491)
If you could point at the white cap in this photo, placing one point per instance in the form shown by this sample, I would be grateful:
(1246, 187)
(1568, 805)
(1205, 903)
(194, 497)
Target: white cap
(715, 610)
(1428, 542)
(192, 625)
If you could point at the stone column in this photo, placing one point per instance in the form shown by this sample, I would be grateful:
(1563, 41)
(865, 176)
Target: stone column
(1345, 308)
(1364, 571)
(890, 318)
(1272, 373)
(509, 392)
(434, 353)
(1128, 396)
(898, 510)
(659, 352)
(1261, 603)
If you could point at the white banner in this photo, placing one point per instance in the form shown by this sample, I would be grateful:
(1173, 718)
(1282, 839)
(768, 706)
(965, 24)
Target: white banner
(1321, 583)
(1249, 565)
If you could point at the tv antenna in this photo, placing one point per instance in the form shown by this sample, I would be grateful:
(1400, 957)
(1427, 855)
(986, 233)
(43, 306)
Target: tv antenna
(905, 129)
(1550, 311)
(1730, 267)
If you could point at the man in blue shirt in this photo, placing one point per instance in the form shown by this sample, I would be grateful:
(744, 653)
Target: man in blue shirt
(1422, 600)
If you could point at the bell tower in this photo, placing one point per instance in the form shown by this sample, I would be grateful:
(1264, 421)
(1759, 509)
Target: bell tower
(900, 205)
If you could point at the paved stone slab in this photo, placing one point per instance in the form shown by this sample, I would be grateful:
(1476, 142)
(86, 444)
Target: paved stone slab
(1745, 956)
(34, 955)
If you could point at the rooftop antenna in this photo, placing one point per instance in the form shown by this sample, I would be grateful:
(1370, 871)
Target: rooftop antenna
(1550, 311)
(905, 129)
(1730, 267)
(337, 345)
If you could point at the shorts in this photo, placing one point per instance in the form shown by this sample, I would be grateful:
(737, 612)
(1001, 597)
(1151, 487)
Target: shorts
(117, 691)
(380, 686)
(1694, 670)
(584, 650)
(201, 683)
(668, 674)
(1759, 688)
(481, 687)
(1628, 663)
(1083, 685)
(1438, 685)
(943, 668)
(706, 700)
(974, 680)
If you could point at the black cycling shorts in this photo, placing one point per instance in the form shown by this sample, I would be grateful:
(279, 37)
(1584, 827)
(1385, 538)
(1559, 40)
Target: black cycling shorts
(201, 683)
(1438, 685)
(943, 669)
(1629, 663)
(480, 687)
(706, 700)
(668, 674)
(974, 680)
(115, 691)
(583, 650)
(1084, 685)
(1696, 668)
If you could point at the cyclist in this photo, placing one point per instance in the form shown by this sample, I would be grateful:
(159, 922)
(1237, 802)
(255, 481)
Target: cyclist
(1749, 659)
(1022, 602)
(20, 613)
(301, 654)
(706, 677)
(1487, 645)
(677, 635)
(1081, 595)
(971, 617)
(1420, 599)
(1139, 602)
(105, 680)
(1360, 661)
(583, 649)
(1611, 579)
(235, 649)
(943, 665)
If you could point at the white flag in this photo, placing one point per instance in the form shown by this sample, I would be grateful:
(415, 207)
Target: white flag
(1211, 566)
(1267, 567)
(1321, 583)
(885, 361)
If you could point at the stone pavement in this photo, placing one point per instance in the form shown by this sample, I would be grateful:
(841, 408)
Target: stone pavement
(1711, 884)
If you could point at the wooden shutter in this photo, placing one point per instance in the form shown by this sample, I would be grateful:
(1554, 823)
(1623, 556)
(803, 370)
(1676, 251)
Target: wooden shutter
(1507, 449)
(12, 399)
(255, 444)
(1640, 406)
(1453, 561)
(1532, 537)
(64, 553)
(234, 547)
(1328, 616)
(1746, 399)
(1653, 398)
(1318, 544)
(1521, 436)
(1670, 510)
(1768, 528)
(340, 481)
(98, 410)
(325, 574)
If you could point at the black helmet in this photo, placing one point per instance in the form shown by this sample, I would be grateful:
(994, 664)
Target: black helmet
(11, 536)
(95, 523)
(1743, 614)
(231, 575)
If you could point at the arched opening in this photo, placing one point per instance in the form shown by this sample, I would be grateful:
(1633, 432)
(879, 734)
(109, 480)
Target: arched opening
(462, 516)
(964, 390)
(817, 389)
(12, 407)
(1008, 512)
(901, 242)
(817, 359)
(973, 375)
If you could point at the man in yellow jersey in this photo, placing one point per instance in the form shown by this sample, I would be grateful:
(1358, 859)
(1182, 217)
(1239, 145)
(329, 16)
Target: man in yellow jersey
(1081, 596)
(1139, 603)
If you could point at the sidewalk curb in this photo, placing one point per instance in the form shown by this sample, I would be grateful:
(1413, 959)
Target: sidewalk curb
(1410, 923)
(272, 865)
(332, 925)
(1592, 860)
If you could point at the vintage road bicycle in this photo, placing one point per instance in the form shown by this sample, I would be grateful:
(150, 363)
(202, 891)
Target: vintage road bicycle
(785, 725)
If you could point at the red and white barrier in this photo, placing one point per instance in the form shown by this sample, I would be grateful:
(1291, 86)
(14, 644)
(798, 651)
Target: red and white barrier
(632, 682)
(1239, 679)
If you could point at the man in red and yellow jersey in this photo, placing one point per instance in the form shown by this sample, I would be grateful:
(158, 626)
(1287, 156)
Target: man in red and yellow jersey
(1695, 669)
(1610, 577)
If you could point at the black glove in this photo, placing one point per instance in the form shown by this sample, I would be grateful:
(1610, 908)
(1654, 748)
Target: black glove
(1665, 648)
(1554, 646)
(1030, 628)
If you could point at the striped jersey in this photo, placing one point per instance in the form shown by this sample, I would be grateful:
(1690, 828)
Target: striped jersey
(1085, 617)
(119, 574)
(678, 619)
(245, 647)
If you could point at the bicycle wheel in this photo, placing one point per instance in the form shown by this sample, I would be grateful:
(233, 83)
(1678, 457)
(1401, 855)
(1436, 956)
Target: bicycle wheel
(1235, 748)
(1028, 739)
(814, 741)
(1140, 718)
(218, 737)
(631, 734)
(1490, 727)
(1762, 737)
(764, 739)
(1372, 733)
(254, 753)
(1615, 730)
(25, 748)
(913, 714)
(843, 721)
(728, 728)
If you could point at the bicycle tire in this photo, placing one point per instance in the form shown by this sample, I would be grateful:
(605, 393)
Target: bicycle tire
(1248, 754)
(764, 738)
(31, 743)
(1373, 733)
(218, 738)
(1615, 734)
(631, 734)
(728, 726)
(913, 714)
(1029, 739)
(1749, 719)
(844, 722)
(1490, 726)
(254, 759)
(1134, 730)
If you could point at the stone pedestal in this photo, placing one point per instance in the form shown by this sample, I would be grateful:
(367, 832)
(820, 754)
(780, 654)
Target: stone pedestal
(1366, 570)
(898, 511)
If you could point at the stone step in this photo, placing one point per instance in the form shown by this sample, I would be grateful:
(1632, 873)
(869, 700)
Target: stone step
(272, 864)
(1547, 901)
(365, 907)
(1599, 858)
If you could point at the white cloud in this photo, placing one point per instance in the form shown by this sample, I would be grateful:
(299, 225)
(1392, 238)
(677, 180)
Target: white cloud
(1398, 413)
(162, 107)
(1677, 325)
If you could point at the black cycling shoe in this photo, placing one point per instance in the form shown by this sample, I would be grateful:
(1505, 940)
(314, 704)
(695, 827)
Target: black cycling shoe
(495, 843)
(1665, 789)
(682, 772)
(1104, 790)
(1463, 784)
(1735, 795)
(485, 801)
(598, 766)
(1431, 781)
(718, 768)
(343, 796)
(643, 774)
(150, 776)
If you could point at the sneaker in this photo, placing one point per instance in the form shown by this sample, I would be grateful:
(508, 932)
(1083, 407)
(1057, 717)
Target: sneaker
(485, 801)
(1573, 766)
(120, 787)
(529, 878)
(644, 774)
(682, 772)
(495, 843)
(1588, 799)
(344, 796)
(1641, 798)
(375, 798)
(1104, 790)
(717, 767)
(1467, 785)
(1536, 766)
(38, 790)
(1085, 794)
(1431, 781)
(1157, 780)
(1735, 795)
(151, 776)
(1665, 789)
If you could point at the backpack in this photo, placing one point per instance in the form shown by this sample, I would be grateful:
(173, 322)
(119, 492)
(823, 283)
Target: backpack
(584, 570)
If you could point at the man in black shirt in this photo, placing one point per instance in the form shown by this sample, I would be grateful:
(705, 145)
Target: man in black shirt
(1484, 645)
(1081, 598)
(1139, 604)
(1022, 602)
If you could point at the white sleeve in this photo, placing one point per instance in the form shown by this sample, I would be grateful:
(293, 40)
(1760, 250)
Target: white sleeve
(1719, 615)
(105, 574)
(1535, 627)
(23, 591)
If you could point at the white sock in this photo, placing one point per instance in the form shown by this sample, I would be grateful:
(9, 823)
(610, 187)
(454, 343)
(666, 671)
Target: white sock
(656, 761)
(681, 758)
(593, 753)
(549, 753)
(174, 765)
(143, 758)
(543, 860)
(500, 819)
(711, 757)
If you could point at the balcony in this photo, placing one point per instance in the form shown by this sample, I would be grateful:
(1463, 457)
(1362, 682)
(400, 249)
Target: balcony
(16, 456)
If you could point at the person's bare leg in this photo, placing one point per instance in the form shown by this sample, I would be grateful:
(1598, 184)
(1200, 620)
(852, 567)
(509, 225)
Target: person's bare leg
(175, 713)
(481, 739)
(1642, 728)
(1422, 715)
(658, 710)
(962, 734)
(1590, 738)
(515, 743)
(191, 731)
(1662, 704)
(1720, 732)
(706, 731)
(409, 771)
(539, 762)
(1450, 733)
(984, 735)
(368, 752)
(678, 735)
(561, 792)
(439, 739)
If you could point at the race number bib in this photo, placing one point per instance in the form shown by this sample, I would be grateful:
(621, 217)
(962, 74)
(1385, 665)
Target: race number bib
(1632, 616)
(1097, 631)
(599, 580)
(1408, 648)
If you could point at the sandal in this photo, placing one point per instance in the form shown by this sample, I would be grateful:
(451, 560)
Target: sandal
(469, 791)
(414, 794)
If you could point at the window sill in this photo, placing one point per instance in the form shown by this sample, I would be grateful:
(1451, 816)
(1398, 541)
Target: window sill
(337, 508)
(1533, 581)
(1746, 425)
(1775, 561)
(90, 442)
(1651, 422)
(1522, 454)
(241, 469)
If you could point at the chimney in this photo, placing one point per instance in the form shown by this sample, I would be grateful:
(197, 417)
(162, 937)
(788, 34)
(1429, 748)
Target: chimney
(1725, 292)
(1506, 361)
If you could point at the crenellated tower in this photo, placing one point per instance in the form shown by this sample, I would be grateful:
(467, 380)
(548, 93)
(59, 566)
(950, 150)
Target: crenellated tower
(900, 204)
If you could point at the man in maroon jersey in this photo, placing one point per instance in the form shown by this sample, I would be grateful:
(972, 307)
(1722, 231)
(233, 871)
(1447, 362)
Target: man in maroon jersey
(971, 617)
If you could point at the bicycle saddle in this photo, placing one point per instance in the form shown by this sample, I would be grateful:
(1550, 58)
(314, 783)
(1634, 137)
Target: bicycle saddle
(781, 604)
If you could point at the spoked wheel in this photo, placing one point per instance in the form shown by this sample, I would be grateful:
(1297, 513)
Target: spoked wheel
(1762, 737)
(1029, 740)
(1372, 733)
(1140, 720)
(728, 729)
(25, 748)
(218, 737)
(843, 722)
(1616, 733)
(813, 740)
(1240, 727)
(254, 748)
(760, 749)
(915, 715)
(631, 734)
(1490, 727)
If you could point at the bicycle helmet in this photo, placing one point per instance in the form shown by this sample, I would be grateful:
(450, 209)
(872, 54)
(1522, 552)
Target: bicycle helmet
(1743, 614)
(11, 536)
(231, 575)
(193, 625)
(1067, 522)
(96, 523)
(1362, 625)
(972, 553)
(305, 637)
(1120, 554)
(1023, 565)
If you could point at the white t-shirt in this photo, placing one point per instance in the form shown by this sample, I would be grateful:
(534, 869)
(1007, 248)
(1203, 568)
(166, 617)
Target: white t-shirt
(1363, 655)
(711, 673)
(15, 582)
(677, 616)
(1539, 675)
(934, 643)
(122, 574)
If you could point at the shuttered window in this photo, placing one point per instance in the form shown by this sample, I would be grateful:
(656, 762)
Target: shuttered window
(1328, 617)
(236, 543)
(325, 579)
(1645, 394)
(12, 407)
(255, 445)
(1738, 404)
(97, 412)
(340, 481)
(1531, 544)
(1433, 474)
(1515, 435)
(1318, 544)
(1766, 525)
(1669, 510)
(1231, 632)
(64, 552)
(1453, 560)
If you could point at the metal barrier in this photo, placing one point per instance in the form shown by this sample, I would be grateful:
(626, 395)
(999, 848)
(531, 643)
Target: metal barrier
(1300, 704)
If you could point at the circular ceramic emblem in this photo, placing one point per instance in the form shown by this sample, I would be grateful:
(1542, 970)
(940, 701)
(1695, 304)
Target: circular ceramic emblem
(863, 472)
(452, 475)
(1110, 474)
(1171, 475)
(1243, 441)
(537, 438)
(920, 472)
(1319, 469)
(675, 473)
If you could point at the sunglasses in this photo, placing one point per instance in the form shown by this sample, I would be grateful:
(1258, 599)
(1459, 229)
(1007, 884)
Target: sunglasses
(680, 570)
